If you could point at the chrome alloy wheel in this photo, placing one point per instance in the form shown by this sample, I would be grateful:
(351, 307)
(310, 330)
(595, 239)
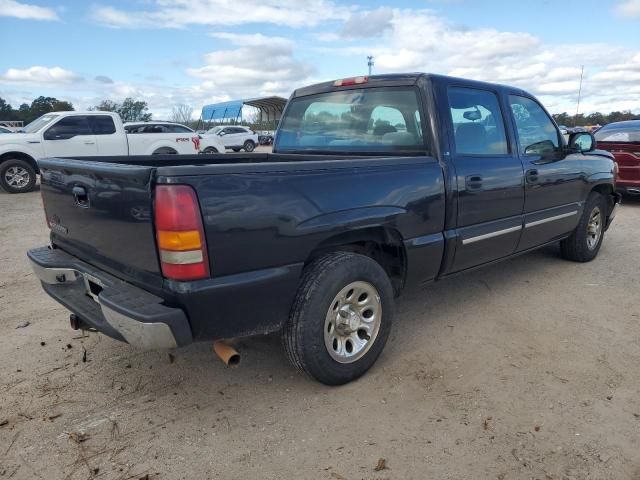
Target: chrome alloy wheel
(352, 322)
(594, 228)
(16, 177)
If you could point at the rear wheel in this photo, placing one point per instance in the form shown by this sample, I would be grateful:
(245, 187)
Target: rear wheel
(340, 319)
(584, 243)
(210, 150)
(17, 176)
(249, 146)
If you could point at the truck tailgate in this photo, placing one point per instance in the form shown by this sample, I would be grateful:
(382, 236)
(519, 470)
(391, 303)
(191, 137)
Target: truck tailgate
(101, 213)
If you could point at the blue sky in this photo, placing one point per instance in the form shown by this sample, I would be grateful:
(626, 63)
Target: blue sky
(169, 52)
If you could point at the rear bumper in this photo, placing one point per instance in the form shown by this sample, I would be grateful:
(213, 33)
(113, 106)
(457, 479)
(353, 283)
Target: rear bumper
(630, 188)
(111, 306)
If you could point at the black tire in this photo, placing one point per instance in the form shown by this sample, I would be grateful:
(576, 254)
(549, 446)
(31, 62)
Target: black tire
(249, 146)
(210, 150)
(303, 335)
(9, 172)
(236, 149)
(580, 246)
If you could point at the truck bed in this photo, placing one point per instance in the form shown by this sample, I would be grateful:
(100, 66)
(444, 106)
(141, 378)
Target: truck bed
(263, 216)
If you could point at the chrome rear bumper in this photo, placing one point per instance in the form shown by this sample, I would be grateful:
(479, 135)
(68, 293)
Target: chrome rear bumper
(106, 303)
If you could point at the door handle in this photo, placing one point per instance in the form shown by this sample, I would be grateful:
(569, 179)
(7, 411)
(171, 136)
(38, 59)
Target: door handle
(89, 143)
(80, 196)
(473, 182)
(532, 175)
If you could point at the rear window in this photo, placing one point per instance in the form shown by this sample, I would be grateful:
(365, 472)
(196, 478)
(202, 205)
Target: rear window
(620, 133)
(374, 120)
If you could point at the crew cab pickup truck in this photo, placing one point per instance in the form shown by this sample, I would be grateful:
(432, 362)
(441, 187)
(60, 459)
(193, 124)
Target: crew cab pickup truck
(374, 185)
(87, 134)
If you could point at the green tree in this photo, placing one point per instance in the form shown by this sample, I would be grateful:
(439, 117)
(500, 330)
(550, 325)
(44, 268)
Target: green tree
(134, 110)
(106, 106)
(42, 105)
(6, 110)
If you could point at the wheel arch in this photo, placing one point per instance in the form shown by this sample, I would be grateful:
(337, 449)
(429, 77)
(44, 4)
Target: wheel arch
(164, 150)
(381, 243)
(20, 156)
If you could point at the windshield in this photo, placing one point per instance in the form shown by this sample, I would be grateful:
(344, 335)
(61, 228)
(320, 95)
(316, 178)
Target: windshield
(38, 123)
(619, 133)
(215, 130)
(374, 120)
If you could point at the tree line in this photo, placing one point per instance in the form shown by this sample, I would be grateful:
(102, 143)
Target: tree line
(132, 110)
(596, 118)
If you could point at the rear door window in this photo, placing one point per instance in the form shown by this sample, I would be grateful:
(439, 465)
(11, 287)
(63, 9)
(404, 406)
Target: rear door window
(362, 120)
(102, 125)
(477, 122)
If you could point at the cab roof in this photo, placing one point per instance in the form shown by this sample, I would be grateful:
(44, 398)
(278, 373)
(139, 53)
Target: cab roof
(402, 79)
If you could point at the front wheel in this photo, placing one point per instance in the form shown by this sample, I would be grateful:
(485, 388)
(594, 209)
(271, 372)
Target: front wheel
(17, 176)
(584, 243)
(249, 146)
(210, 150)
(340, 319)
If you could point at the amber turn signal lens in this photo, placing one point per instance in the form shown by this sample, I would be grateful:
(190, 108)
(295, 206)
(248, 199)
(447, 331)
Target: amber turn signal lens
(179, 241)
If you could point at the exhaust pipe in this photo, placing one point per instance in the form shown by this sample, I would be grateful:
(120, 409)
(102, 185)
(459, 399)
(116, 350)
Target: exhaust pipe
(226, 353)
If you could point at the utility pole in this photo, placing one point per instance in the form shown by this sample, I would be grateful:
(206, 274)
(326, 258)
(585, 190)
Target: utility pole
(575, 119)
(370, 63)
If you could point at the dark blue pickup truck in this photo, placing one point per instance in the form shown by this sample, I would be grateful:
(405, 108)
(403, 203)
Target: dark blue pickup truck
(374, 185)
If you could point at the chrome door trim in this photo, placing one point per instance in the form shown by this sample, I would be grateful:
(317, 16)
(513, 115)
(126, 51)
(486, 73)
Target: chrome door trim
(551, 219)
(486, 236)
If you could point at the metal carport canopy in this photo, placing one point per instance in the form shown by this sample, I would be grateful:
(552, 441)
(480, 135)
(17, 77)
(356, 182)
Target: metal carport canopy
(271, 106)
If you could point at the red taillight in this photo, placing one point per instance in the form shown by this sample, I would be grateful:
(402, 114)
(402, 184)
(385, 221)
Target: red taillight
(350, 81)
(179, 233)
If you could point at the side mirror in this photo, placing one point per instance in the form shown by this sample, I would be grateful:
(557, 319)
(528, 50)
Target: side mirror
(220, 134)
(582, 142)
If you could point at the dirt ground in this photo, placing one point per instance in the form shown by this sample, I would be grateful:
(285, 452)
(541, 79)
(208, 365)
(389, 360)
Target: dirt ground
(527, 369)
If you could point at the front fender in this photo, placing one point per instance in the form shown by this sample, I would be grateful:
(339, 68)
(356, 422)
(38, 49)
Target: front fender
(26, 149)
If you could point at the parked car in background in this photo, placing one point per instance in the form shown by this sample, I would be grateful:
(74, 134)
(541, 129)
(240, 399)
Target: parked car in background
(622, 139)
(162, 131)
(84, 134)
(236, 137)
(317, 239)
(564, 130)
(5, 130)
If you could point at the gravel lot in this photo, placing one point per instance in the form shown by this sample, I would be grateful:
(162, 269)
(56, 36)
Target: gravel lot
(527, 369)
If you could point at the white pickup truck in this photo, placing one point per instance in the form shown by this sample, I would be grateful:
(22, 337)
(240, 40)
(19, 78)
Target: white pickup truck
(82, 134)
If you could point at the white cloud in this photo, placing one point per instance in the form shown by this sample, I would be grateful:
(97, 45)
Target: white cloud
(40, 75)
(234, 72)
(367, 24)
(11, 8)
(180, 13)
(628, 8)
(515, 58)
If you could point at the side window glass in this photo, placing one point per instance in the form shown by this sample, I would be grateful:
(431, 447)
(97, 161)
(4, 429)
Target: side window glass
(477, 122)
(102, 125)
(536, 131)
(386, 120)
(68, 127)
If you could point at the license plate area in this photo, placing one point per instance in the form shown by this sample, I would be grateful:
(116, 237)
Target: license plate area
(93, 287)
